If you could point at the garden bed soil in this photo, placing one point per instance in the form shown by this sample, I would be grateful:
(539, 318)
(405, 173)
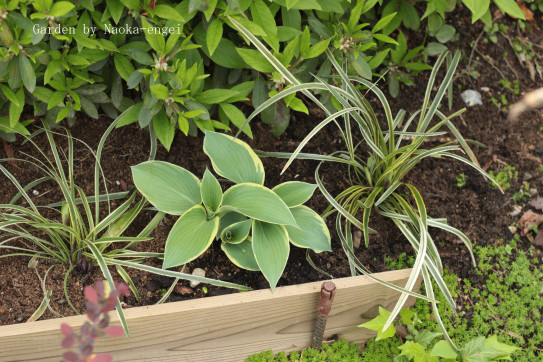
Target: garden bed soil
(477, 209)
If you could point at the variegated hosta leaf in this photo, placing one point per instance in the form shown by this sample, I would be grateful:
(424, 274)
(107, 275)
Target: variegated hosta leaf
(211, 192)
(228, 219)
(241, 254)
(237, 232)
(295, 193)
(271, 249)
(190, 237)
(233, 159)
(311, 232)
(170, 188)
(257, 202)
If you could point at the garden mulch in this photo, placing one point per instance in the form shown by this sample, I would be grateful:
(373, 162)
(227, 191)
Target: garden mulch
(477, 209)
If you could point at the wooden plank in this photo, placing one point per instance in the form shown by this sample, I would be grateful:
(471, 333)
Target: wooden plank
(222, 328)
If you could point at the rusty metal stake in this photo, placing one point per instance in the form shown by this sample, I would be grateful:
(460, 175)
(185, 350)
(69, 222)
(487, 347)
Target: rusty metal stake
(328, 290)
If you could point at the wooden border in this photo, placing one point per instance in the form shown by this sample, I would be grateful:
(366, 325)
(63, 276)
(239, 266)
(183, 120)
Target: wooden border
(222, 328)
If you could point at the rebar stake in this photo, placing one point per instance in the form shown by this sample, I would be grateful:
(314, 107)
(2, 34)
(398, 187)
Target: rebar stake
(328, 290)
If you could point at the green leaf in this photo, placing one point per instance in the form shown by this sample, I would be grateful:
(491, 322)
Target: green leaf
(435, 49)
(156, 41)
(123, 65)
(27, 73)
(60, 8)
(115, 8)
(426, 337)
(377, 324)
(160, 91)
(233, 159)
(295, 193)
(237, 232)
(271, 250)
(257, 202)
(170, 188)
(164, 128)
(385, 39)
(510, 7)
(311, 232)
(129, 116)
(167, 12)
(445, 33)
(211, 191)
(478, 8)
(361, 66)
(317, 49)
(241, 254)
(10, 95)
(255, 60)
(214, 96)
(190, 236)
(417, 352)
(383, 22)
(236, 117)
(214, 35)
(56, 99)
(444, 350)
(16, 108)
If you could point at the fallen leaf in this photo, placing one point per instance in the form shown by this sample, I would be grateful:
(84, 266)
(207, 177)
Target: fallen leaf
(180, 289)
(537, 203)
(539, 239)
(528, 220)
(402, 331)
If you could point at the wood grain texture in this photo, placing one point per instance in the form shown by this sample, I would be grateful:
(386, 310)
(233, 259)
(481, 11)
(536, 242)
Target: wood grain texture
(222, 328)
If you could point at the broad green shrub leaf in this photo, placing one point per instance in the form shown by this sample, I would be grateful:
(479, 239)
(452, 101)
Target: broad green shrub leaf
(233, 159)
(224, 55)
(61, 8)
(255, 60)
(445, 33)
(214, 35)
(444, 350)
(211, 191)
(18, 127)
(170, 188)
(164, 129)
(271, 250)
(377, 324)
(190, 237)
(510, 7)
(27, 73)
(294, 193)
(167, 12)
(129, 116)
(156, 41)
(311, 232)
(115, 8)
(241, 254)
(214, 96)
(478, 8)
(236, 117)
(257, 202)
(383, 22)
(123, 65)
(237, 232)
(160, 91)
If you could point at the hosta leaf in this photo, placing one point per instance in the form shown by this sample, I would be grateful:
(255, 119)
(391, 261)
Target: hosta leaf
(257, 202)
(190, 237)
(237, 232)
(271, 250)
(294, 193)
(233, 159)
(211, 191)
(170, 188)
(241, 254)
(311, 232)
(230, 218)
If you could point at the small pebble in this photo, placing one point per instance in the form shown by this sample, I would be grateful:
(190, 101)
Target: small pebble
(35, 192)
(533, 191)
(471, 97)
(513, 229)
(20, 319)
(485, 89)
(527, 176)
(516, 211)
(118, 183)
(199, 273)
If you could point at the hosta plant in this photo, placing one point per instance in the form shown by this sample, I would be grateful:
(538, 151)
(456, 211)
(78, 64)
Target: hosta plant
(255, 224)
(391, 148)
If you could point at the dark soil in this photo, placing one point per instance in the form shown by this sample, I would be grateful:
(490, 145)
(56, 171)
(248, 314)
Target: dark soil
(477, 209)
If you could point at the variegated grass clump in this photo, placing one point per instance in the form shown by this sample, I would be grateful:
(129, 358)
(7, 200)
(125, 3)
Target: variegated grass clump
(377, 176)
